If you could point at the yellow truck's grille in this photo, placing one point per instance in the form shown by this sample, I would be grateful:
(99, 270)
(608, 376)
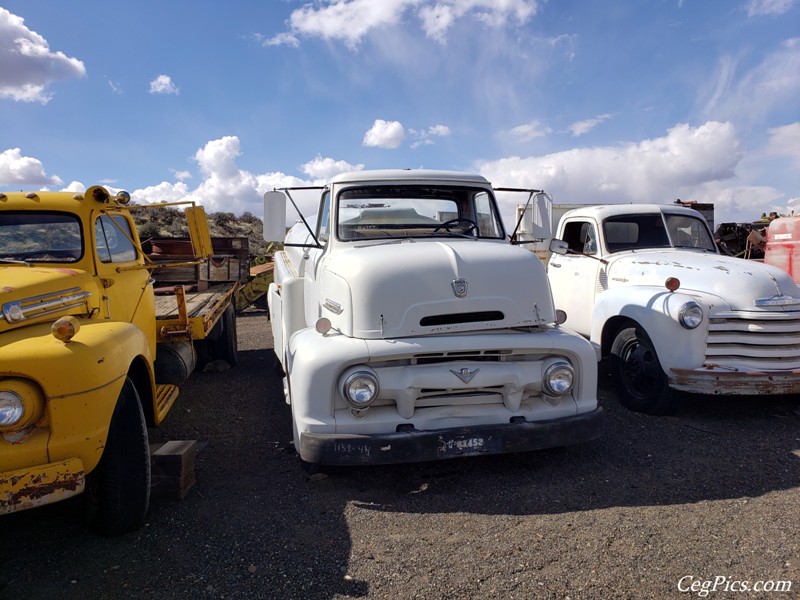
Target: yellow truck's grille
(37, 306)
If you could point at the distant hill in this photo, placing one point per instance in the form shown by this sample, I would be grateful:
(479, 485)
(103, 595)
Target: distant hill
(167, 221)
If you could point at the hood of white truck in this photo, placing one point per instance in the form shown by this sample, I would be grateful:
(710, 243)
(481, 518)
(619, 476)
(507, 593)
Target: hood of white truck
(743, 284)
(413, 287)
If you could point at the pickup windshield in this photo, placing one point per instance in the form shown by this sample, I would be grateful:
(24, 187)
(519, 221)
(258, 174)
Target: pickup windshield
(28, 236)
(635, 232)
(391, 212)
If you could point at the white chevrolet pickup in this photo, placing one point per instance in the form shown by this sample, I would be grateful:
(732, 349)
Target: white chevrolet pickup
(410, 329)
(648, 287)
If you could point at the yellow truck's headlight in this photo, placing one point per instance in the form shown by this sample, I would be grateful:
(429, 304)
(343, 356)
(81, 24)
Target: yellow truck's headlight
(21, 403)
(11, 409)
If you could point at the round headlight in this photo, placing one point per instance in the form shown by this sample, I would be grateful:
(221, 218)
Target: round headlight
(11, 408)
(360, 388)
(690, 315)
(558, 378)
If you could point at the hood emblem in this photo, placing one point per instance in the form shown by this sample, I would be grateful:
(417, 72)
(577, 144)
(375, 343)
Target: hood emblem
(465, 374)
(459, 287)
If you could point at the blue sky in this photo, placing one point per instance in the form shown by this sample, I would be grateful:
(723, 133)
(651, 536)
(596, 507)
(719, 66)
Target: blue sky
(217, 102)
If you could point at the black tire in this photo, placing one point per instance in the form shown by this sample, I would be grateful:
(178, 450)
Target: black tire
(225, 346)
(118, 489)
(638, 377)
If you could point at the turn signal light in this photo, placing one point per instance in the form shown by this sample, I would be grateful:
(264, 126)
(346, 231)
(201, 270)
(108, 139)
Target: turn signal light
(672, 283)
(65, 328)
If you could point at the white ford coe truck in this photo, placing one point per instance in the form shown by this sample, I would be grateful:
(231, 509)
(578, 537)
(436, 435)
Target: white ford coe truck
(648, 287)
(409, 328)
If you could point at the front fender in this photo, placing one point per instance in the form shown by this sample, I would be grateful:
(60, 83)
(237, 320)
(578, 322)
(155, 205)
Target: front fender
(81, 380)
(656, 311)
(99, 355)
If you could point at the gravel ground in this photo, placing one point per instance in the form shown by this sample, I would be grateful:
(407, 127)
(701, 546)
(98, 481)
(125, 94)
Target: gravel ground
(713, 492)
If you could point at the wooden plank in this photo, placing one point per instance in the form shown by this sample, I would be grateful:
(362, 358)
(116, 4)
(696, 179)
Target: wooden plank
(196, 302)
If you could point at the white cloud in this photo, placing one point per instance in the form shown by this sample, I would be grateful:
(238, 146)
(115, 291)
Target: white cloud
(163, 85)
(350, 21)
(773, 85)
(529, 131)
(322, 169)
(28, 64)
(74, 186)
(116, 88)
(785, 141)
(23, 170)
(659, 170)
(423, 138)
(161, 192)
(282, 39)
(346, 20)
(384, 134)
(769, 7)
(439, 130)
(438, 17)
(182, 175)
(579, 128)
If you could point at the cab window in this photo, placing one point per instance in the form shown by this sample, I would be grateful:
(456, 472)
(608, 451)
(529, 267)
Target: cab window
(323, 228)
(581, 237)
(113, 239)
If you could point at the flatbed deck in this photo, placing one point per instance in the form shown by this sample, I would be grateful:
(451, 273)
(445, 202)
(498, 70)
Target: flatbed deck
(203, 309)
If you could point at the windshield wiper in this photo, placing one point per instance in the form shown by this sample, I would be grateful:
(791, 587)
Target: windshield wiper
(15, 261)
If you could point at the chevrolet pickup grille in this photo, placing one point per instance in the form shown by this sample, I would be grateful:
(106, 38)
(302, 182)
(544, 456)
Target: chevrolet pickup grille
(756, 342)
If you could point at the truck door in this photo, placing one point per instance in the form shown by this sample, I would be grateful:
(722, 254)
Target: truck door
(127, 295)
(573, 276)
(314, 260)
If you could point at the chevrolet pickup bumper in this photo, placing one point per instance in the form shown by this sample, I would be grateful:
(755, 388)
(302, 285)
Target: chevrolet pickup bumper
(735, 383)
(44, 484)
(418, 446)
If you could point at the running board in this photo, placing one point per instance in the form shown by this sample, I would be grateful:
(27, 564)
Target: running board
(166, 394)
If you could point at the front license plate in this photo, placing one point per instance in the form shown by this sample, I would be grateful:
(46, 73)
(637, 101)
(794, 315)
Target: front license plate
(466, 445)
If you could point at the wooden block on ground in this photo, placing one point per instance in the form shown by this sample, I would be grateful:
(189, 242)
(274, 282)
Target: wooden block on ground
(172, 469)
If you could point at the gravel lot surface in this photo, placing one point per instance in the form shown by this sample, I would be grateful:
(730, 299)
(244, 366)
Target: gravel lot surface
(712, 492)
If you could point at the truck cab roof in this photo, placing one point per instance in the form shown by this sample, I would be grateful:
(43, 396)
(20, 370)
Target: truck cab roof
(377, 176)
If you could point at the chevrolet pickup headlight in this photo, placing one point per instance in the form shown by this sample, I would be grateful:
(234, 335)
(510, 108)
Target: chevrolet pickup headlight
(558, 378)
(360, 387)
(11, 409)
(690, 315)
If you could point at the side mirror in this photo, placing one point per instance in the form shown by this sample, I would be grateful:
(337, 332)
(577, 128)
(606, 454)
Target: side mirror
(274, 216)
(558, 246)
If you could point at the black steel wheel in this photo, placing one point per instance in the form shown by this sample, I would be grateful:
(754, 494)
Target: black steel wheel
(639, 379)
(118, 489)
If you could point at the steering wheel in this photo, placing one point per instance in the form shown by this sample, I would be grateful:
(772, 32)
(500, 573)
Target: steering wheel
(454, 223)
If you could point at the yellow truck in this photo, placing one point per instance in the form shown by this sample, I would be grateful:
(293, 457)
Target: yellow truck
(91, 354)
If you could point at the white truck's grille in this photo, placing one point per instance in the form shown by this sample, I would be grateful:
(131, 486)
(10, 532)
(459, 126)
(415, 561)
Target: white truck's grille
(758, 342)
(460, 378)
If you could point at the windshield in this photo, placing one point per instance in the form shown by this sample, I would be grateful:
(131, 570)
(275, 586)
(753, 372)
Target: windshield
(403, 211)
(29, 236)
(632, 232)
